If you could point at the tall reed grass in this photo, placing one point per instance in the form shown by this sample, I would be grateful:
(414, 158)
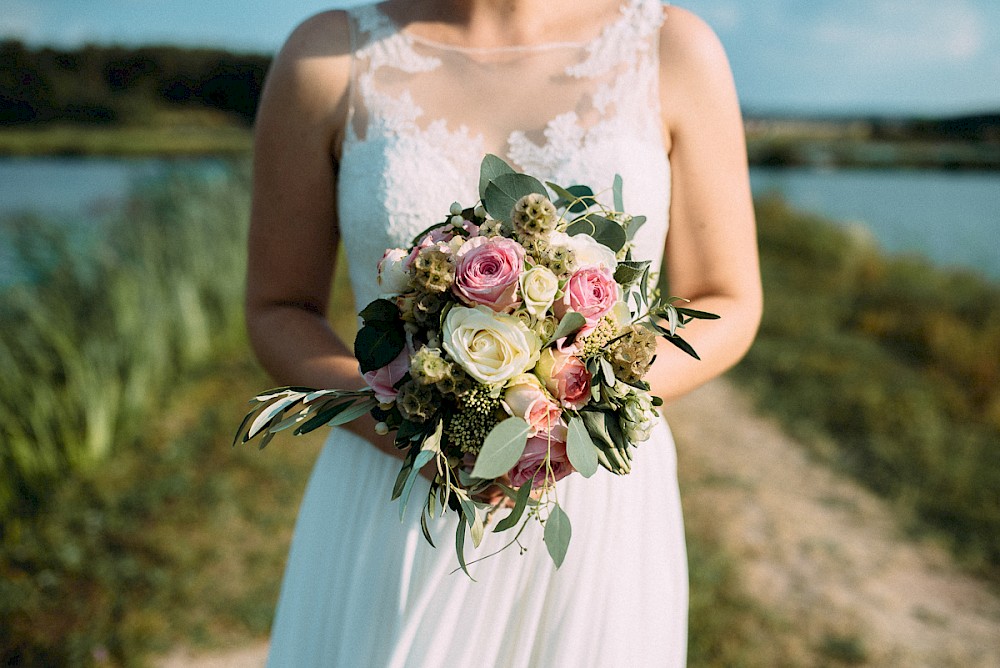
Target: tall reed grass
(93, 343)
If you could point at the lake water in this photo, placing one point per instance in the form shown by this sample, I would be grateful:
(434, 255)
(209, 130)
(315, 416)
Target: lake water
(953, 218)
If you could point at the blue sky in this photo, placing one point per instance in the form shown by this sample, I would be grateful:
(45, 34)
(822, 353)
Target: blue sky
(826, 56)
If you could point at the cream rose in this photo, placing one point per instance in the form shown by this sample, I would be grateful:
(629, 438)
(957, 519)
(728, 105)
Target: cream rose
(393, 277)
(491, 347)
(587, 251)
(538, 289)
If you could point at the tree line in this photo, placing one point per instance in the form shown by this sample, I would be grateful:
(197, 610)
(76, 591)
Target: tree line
(104, 85)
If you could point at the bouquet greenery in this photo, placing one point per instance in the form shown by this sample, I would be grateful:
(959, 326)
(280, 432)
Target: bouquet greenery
(508, 348)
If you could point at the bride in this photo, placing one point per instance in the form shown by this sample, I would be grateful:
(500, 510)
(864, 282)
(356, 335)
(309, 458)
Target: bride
(372, 122)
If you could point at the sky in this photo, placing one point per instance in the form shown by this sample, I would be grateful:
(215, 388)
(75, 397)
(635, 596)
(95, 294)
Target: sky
(930, 57)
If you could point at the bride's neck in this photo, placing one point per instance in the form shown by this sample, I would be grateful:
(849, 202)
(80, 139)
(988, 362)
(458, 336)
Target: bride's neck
(507, 22)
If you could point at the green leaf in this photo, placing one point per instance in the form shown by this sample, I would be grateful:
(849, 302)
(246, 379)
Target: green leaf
(699, 315)
(352, 413)
(502, 448)
(380, 310)
(557, 535)
(634, 225)
(503, 192)
(629, 273)
(275, 410)
(377, 344)
(323, 415)
(683, 345)
(520, 503)
(422, 459)
(425, 530)
(570, 323)
(604, 231)
(407, 430)
(460, 548)
(491, 168)
(580, 448)
(433, 441)
(597, 427)
(581, 197)
(616, 188)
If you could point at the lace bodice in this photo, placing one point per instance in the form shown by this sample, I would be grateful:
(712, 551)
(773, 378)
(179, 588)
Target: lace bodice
(422, 116)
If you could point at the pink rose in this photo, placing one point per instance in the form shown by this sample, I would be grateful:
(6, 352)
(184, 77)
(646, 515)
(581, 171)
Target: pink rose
(565, 376)
(531, 466)
(487, 272)
(528, 400)
(591, 292)
(382, 380)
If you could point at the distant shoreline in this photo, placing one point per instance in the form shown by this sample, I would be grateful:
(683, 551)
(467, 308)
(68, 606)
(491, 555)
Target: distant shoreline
(764, 150)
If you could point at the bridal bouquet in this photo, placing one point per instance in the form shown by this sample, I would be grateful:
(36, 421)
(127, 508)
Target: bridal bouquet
(507, 350)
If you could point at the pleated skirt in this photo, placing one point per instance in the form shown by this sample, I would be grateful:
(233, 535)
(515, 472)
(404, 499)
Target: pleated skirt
(362, 588)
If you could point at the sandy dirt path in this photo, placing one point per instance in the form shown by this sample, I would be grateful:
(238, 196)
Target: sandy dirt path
(820, 551)
(813, 548)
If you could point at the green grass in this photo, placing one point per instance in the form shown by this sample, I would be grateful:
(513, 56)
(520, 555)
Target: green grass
(126, 141)
(102, 339)
(889, 368)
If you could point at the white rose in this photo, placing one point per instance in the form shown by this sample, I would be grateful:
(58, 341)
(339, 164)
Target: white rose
(491, 347)
(587, 251)
(393, 278)
(538, 288)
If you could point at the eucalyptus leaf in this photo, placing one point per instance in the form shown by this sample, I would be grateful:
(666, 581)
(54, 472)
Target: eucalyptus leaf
(422, 459)
(629, 273)
(558, 533)
(616, 188)
(380, 310)
(634, 224)
(603, 230)
(377, 344)
(491, 167)
(502, 448)
(578, 198)
(503, 192)
(520, 503)
(580, 448)
(570, 323)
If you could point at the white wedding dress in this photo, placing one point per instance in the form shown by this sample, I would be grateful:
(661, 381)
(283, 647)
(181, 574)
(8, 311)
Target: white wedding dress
(363, 589)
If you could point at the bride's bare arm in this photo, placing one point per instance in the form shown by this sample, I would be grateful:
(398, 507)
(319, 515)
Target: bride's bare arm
(711, 248)
(293, 229)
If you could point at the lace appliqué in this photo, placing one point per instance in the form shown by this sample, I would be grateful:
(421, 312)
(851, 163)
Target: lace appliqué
(622, 102)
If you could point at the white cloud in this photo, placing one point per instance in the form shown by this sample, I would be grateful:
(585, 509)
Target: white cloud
(904, 32)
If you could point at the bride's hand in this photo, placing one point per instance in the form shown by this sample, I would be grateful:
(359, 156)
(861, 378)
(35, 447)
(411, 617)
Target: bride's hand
(494, 495)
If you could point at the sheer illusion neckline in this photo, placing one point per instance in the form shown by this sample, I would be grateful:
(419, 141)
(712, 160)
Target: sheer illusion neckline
(624, 9)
